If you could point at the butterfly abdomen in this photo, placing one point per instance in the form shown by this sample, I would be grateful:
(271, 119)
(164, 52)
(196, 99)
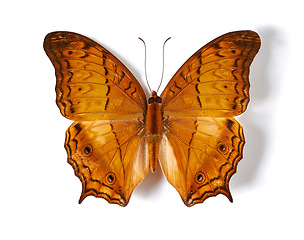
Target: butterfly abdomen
(153, 128)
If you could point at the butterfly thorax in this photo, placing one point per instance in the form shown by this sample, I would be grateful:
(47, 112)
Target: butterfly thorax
(153, 128)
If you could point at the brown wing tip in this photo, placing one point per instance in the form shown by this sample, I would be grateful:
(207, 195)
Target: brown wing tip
(121, 202)
(228, 195)
(190, 200)
(82, 197)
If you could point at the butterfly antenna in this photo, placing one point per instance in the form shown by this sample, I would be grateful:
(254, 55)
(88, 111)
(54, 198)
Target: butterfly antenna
(161, 80)
(146, 63)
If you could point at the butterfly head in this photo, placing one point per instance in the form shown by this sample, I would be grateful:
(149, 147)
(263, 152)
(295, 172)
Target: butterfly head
(154, 98)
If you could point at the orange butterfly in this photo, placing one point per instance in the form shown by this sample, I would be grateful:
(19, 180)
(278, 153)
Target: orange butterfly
(116, 136)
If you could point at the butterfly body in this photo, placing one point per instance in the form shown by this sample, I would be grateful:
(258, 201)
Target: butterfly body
(154, 128)
(117, 135)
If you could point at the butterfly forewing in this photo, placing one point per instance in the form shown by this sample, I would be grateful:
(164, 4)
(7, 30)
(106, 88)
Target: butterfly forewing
(214, 81)
(92, 84)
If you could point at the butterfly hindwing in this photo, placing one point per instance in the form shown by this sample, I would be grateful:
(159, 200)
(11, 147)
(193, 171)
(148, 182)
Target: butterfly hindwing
(199, 156)
(109, 157)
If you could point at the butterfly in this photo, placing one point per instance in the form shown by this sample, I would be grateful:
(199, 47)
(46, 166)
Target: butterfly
(118, 135)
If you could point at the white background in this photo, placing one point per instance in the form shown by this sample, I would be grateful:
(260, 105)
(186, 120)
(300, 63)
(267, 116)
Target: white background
(39, 192)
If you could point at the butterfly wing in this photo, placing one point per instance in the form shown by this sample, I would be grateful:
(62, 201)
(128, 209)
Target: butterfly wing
(202, 143)
(198, 157)
(105, 144)
(213, 81)
(92, 84)
(110, 158)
